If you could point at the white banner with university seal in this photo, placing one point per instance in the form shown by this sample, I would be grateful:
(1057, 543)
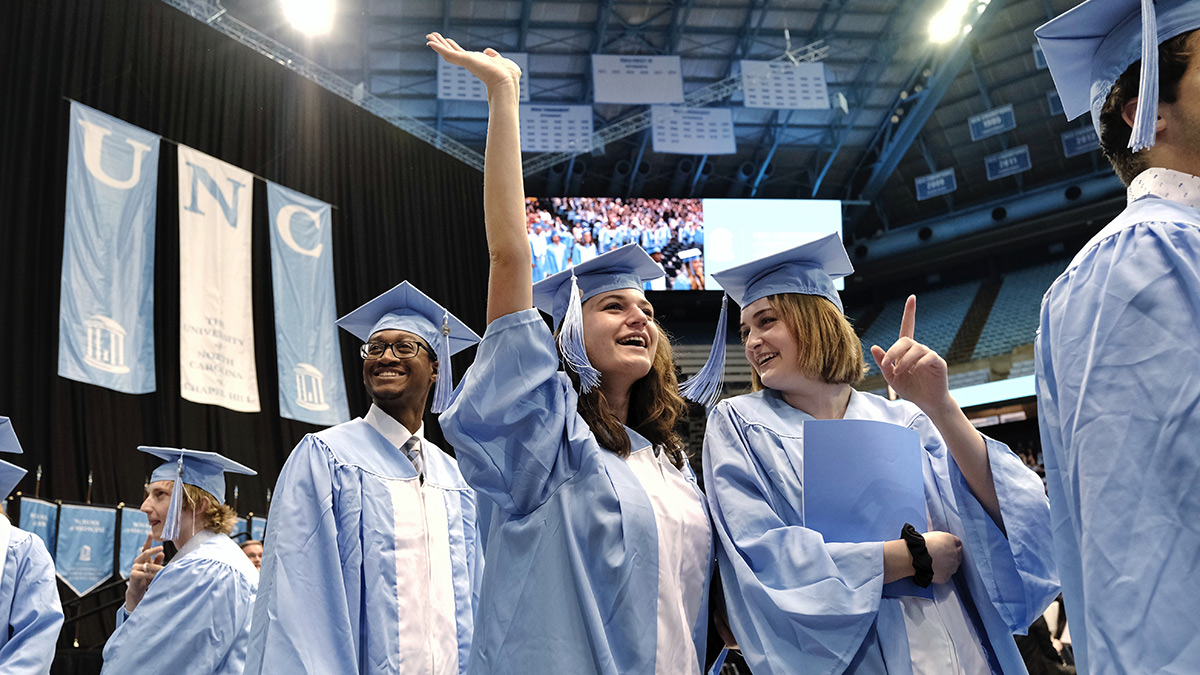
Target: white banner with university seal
(106, 302)
(216, 312)
(311, 386)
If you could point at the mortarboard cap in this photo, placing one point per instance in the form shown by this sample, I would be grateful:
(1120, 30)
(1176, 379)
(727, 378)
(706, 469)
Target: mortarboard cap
(406, 308)
(562, 296)
(8, 437)
(1089, 46)
(807, 269)
(205, 470)
(10, 475)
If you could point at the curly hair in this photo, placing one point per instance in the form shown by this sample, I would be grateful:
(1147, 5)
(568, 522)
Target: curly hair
(217, 516)
(1173, 55)
(829, 349)
(655, 407)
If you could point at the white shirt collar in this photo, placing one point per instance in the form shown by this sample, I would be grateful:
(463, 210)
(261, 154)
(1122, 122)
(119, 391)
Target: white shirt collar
(1176, 186)
(195, 542)
(387, 426)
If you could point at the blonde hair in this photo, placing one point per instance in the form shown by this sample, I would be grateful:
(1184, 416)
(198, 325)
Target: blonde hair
(216, 516)
(828, 348)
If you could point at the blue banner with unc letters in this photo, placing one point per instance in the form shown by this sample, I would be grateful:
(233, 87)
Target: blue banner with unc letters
(106, 304)
(311, 388)
(40, 518)
(86, 534)
(135, 527)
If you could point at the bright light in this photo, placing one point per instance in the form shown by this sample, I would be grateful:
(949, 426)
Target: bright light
(311, 17)
(947, 23)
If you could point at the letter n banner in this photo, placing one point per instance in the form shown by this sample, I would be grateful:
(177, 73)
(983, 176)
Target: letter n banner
(216, 312)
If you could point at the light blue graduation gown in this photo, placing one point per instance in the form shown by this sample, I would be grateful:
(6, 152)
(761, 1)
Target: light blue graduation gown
(329, 601)
(1119, 413)
(571, 585)
(28, 604)
(799, 605)
(194, 617)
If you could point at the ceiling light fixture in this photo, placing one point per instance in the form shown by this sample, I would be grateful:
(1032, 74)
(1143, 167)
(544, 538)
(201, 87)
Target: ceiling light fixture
(311, 17)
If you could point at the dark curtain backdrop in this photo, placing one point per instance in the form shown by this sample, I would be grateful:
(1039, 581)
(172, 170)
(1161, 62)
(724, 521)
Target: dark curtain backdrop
(403, 210)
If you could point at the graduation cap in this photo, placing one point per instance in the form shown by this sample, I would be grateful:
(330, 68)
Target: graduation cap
(562, 296)
(1088, 47)
(8, 437)
(406, 308)
(205, 470)
(807, 269)
(10, 475)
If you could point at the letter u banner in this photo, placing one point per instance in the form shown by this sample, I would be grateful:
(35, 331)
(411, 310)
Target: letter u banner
(311, 387)
(106, 304)
(216, 324)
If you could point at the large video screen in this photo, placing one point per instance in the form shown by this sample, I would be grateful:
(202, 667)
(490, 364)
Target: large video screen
(690, 238)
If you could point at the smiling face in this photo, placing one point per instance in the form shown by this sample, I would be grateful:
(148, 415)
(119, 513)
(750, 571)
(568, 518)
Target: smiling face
(770, 347)
(156, 504)
(393, 382)
(620, 334)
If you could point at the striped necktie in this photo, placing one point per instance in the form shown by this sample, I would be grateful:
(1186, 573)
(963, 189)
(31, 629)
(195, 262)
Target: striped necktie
(412, 450)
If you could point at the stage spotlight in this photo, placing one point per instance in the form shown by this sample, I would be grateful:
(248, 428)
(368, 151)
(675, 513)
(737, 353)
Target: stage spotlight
(311, 17)
(948, 22)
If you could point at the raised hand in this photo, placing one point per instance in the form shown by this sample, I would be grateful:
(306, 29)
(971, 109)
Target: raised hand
(914, 371)
(145, 566)
(491, 68)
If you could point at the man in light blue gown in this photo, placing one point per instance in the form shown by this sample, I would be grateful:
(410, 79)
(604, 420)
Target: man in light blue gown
(372, 558)
(29, 604)
(191, 615)
(1119, 343)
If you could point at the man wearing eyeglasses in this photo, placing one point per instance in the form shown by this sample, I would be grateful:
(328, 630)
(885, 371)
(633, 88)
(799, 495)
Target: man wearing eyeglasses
(373, 557)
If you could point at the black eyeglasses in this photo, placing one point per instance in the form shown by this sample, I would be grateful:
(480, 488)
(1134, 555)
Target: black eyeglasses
(401, 350)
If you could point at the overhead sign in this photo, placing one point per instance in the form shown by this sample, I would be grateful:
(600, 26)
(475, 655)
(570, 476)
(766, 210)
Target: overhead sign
(636, 79)
(1080, 141)
(692, 131)
(1055, 102)
(556, 128)
(936, 184)
(993, 122)
(1008, 163)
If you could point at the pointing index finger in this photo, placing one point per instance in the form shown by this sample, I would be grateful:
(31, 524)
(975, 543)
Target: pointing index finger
(908, 323)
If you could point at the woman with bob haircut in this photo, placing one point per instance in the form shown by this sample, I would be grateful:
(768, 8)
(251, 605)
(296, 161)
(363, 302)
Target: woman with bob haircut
(599, 552)
(797, 603)
(193, 612)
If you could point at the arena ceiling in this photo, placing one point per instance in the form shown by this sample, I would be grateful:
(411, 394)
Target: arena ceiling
(907, 100)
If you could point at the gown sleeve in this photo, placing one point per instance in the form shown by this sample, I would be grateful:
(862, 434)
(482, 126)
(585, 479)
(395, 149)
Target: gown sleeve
(513, 425)
(36, 614)
(190, 620)
(795, 603)
(1015, 565)
(1117, 400)
(303, 615)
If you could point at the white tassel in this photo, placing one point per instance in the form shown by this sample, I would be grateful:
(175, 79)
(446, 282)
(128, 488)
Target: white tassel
(1146, 119)
(175, 509)
(705, 386)
(443, 390)
(570, 342)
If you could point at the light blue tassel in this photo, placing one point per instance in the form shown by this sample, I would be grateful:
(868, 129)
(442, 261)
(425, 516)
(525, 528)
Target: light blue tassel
(570, 342)
(444, 389)
(1146, 119)
(705, 386)
(175, 510)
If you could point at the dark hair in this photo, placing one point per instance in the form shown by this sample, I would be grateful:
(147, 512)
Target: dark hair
(829, 350)
(1173, 55)
(654, 408)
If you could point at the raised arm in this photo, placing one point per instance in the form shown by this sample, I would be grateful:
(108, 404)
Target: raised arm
(919, 375)
(510, 277)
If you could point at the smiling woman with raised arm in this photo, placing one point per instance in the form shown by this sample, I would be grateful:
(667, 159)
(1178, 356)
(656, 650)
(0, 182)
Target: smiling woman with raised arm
(800, 604)
(598, 556)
